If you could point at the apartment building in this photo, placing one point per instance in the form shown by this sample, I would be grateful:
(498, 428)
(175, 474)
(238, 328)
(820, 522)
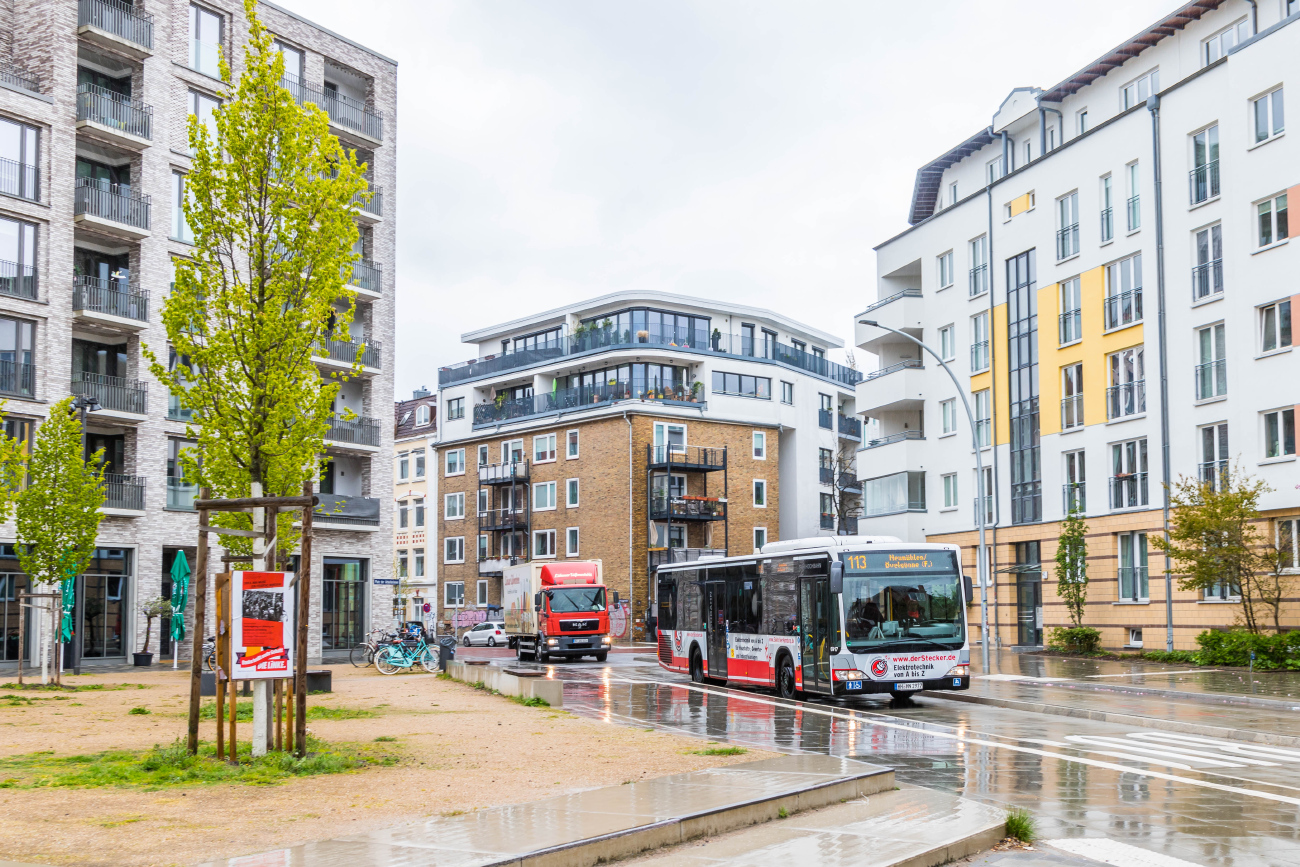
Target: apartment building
(637, 428)
(415, 488)
(94, 98)
(1108, 259)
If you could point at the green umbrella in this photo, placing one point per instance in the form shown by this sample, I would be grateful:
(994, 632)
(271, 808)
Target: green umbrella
(180, 596)
(69, 590)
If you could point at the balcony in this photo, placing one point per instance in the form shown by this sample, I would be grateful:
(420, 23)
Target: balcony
(979, 280)
(1071, 326)
(678, 457)
(849, 428)
(668, 508)
(115, 304)
(1127, 399)
(1203, 182)
(117, 119)
(979, 356)
(503, 518)
(1207, 280)
(664, 556)
(1134, 207)
(121, 399)
(1124, 309)
(1067, 241)
(346, 353)
(1212, 379)
(897, 450)
(347, 116)
(366, 277)
(1107, 224)
(825, 419)
(358, 435)
(896, 387)
(19, 179)
(17, 379)
(826, 475)
(901, 436)
(904, 311)
(508, 473)
(893, 494)
(582, 397)
(116, 25)
(110, 208)
(181, 494)
(1128, 490)
(18, 281)
(1073, 497)
(1072, 412)
(370, 208)
(1214, 474)
(827, 521)
(17, 77)
(339, 512)
(123, 495)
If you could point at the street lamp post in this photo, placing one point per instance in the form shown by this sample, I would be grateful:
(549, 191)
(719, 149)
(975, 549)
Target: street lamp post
(982, 555)
(83, 403)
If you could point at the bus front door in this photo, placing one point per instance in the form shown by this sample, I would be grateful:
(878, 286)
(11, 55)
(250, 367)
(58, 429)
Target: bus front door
(715, 606)
(814, 631)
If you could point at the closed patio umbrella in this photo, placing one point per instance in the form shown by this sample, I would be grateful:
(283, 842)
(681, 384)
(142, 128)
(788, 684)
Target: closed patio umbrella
(180, 598)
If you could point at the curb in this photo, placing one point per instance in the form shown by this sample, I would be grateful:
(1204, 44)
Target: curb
(1220, 699)
(1244, 735)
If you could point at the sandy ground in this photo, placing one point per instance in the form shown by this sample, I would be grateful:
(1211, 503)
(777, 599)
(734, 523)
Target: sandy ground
(462, 749)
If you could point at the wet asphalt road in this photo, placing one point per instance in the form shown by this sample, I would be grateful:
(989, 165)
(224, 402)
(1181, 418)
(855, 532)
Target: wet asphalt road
(1204, 800)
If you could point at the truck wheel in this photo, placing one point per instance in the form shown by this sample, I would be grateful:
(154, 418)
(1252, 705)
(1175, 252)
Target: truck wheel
(785, 677)
(601, 657)
(541, 655)
(697, 666)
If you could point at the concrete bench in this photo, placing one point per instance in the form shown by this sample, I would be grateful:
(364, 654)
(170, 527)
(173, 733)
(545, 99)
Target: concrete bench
(507, 682)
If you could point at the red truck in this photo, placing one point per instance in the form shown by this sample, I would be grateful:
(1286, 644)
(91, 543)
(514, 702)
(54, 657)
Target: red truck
(557, 610)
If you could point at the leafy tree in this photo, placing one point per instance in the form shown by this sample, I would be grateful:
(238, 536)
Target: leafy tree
(848, 490)
(1072, 566)
(1214, 540)
(270, 202)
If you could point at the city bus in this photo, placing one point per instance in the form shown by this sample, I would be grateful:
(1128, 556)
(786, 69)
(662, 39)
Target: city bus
(833, 616)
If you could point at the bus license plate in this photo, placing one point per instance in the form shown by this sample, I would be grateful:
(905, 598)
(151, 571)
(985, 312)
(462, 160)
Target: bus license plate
(853, 684)
(908, 687)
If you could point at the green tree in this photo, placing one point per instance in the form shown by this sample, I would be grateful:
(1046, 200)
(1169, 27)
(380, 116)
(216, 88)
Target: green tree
(1072, 566)
(270, 202)
(1214, 539)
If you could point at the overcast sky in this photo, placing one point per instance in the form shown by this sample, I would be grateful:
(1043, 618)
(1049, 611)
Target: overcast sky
(554, 150)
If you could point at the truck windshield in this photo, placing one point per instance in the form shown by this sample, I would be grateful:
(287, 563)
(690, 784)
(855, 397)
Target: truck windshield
(568, 600)
(902, 599)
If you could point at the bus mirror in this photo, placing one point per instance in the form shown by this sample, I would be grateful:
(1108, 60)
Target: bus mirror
(968, 587)
(837, 576)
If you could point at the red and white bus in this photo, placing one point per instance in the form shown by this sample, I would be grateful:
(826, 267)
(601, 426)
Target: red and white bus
(842, 616)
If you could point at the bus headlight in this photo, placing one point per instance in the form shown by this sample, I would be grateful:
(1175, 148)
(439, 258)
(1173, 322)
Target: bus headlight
(848, 674)
(959, 671)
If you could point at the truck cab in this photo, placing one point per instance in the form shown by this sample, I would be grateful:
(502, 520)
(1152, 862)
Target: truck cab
(558, 610)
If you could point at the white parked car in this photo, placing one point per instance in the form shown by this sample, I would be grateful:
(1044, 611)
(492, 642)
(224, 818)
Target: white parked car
(490, 633)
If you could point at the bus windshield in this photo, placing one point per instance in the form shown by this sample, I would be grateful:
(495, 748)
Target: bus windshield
(903, 599)
(571, 600)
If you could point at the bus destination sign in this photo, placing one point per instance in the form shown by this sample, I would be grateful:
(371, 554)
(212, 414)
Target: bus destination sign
(894, 562)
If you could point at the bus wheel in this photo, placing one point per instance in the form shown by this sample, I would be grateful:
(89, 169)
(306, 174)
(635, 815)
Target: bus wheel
(785, 677)
(697, 666)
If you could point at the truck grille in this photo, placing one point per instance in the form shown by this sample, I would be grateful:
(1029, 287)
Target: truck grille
(578, 625)
(665, 648)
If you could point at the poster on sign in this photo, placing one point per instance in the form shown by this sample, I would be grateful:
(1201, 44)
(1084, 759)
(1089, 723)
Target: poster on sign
(262, 633)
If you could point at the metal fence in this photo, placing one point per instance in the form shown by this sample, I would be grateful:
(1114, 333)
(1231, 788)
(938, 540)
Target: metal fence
(123, 492)
(17, 378)
(894, 438)
(19, 179)
(343, 110)
(1124, 308)
(1212, 379)
(367, 275)
(1128, 490)
(346, 351)
(1207, 279)
(110, 297)
(1067, 241)
(118, 18)
(111, 109)
(112, 392)
(1072, 412)
(1129, 398)
(115, 202)
(358, 431)
(1073, 497)
(17, 280)
(849, 427)
(1203, 182)
(181, 494)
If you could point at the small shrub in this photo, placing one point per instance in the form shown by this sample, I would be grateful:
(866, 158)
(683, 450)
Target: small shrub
(720, 751)
(384, 739)
(783, 813)
(1181, 657)
(1021, 825)
(535, 701)
(1075, 639)
(1233, 647)
(139, 711)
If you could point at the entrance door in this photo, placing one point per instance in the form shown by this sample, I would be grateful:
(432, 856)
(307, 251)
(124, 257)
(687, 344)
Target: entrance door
(815, 629)
(715, 608)
(1029, 609)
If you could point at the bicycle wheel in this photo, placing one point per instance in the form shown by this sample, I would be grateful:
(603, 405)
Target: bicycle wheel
(357, 656)
(385, 662)
(428, 660)
(211, 660)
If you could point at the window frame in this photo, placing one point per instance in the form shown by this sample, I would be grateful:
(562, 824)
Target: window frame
(721, 384)
(758, 445)
(196, 34)
(787, 393)
(403, 466)
(948, 342)
(758, 546)
(450, 457)
(450, 600)
(948, 416)
(179, 230)
(572, 493)
(550, 454)
(945, 266)
(1294, 531)
(538, 488)
(1152, 80)
(1283, 414)
(572, 541)
(950, 492)
(450, 542)
(759, 492)
(419, 467)
(455, 410)
(543, 534)
(572, 450)
(453, 506)
(1272, 100)
(1275, 226)
(1283, 327)
(418, 507)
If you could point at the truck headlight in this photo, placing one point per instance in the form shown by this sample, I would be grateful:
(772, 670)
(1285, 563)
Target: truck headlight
(959, 671)
(552, 641)
(605, 639)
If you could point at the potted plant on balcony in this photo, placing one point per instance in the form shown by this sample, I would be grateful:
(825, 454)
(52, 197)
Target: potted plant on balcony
(716, 340)
(696, 388)
(642, 336)
(150, 608)
(500, 399)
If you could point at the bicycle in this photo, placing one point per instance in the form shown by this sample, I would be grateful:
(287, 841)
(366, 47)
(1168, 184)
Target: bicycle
(394, 657)
(363, 654)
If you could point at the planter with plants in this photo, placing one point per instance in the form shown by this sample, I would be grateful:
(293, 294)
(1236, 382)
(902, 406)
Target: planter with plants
(716, 340)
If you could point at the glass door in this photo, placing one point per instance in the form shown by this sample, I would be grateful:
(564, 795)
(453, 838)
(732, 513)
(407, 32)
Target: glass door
(1029, 594)
(815, 627)
(716, 623)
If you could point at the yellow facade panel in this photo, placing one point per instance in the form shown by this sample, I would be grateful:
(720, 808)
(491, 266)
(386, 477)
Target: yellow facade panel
(1020, 204)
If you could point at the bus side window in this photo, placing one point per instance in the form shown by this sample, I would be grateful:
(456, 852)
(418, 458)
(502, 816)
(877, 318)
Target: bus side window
(780, 598)
(668, 601)
(690, 615)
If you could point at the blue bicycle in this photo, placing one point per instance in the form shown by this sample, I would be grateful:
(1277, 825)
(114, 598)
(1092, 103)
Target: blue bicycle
(399, 655)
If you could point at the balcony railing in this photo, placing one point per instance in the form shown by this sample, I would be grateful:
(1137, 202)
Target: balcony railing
(1072, 412)
(849, 427)
(112, 392)
(827, 521)
(849, 526)
(1129, 398)
(902, 293)
(347, 351)
(1212, 379)
(1067, 241)
(119, 19)
(1214, 474)
(979, 280)
(581, 397)
(111, 109)
(123, 492)
(365, 275)
(343, 110)
(176, 412)
(346, 510)
(19, 179)
(374, 202)
(1128, 490)
(1203, 182)
(357, 432)
(826, 475)
(1207, 279)
(17, 378)
(664, 556)
(988, 508)
(15, 76)
(686, 457)
(181, 494)
(1073, 497)
(115, 202)
(825, 419)
(19, 281)
(110, 297)
(1071, 326)
(505, 473)
(503, 518)
(1107, 224)
(1134, 213)
(664, 507)
(894, 438)
(1124, 309)
(907, 364)
(979, 356)
(849, 481)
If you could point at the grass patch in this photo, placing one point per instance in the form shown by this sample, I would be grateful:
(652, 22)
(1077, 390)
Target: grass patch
(385, 739)
(783, 813)
(317, 711)
(1021, 825)
(54, 687)
(171, 766)
(720, 751)
(535, 701)
(139, 711)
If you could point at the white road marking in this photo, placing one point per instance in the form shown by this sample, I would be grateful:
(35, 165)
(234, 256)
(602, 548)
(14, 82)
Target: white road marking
(1155, 673)
(1188, 755)
(1020, 677)
(1115, 852)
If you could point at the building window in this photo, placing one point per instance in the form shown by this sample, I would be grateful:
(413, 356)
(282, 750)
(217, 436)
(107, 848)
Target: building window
(1137, 91)
(455, 410)
(205, 41)
(543, 496)
(1107, 210)
(950, 491)
(483, 551)
(1124, 292)
(202, 107)
(1222, 42)
(418, 456)
(1075, 480)
(453, 506)
(455, 462)
(571, 445)
(1279, 433)
(988, 494)
(180, 226)
(1127, 393)
(1128, 481)
(483, 495)
(1133, 579)
(401, 564)
(1214, 466)
(993, 170)
(945, 270)
(482, 597)
(1268, 115)
(742, 385)
(979, 266)
(571, 542)
(1223, 592)
(984, 418)
(787, 393)
(403, 466)
(1022, 330)
(453, 593)
(20, 156)
(1275, 326)
(1067, 225)
(544, 448)
(483, 456)
(571, 493)
(827, 512)
(543, 543)
(417, 561)
(512, 452)
(760, 445)
(979, 343)
(1072, 396)
(1134, 204)
(1212, 371)
(453, 549)
(888, 495)
(760, 494)
(952, 193)
(1081, 117)
(1207, 275)
(760, 533)
(403, 515)
(419, 512)
(1071, 325)
(948, 342)
(948, 411)
(1287, 537)
(826, 466)
(1204, 178)
(1272, 220)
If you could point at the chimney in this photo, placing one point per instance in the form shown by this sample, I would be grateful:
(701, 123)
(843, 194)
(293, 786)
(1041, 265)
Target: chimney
(420, 393)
